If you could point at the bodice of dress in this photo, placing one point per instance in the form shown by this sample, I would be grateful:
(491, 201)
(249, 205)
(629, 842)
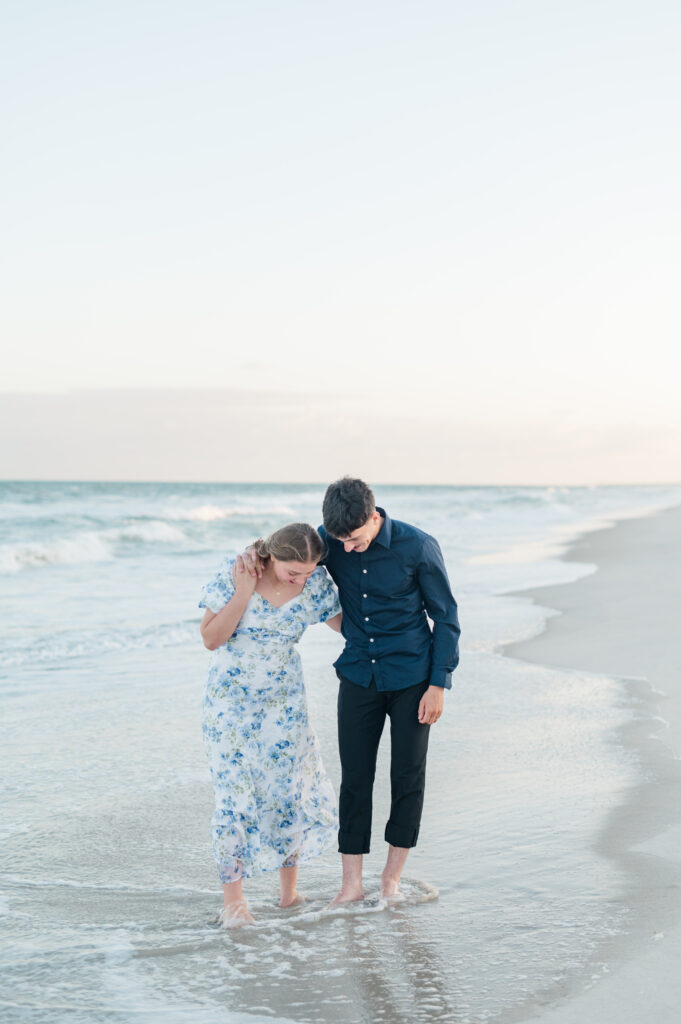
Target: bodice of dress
(265, 629)
(264, 624)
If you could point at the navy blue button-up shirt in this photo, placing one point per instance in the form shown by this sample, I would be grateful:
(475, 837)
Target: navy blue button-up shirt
(387, 594)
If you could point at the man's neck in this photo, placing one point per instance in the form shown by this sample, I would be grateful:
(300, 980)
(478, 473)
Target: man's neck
(379, 527)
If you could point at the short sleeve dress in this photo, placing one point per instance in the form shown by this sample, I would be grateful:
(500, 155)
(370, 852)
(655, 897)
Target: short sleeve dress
(274, 803)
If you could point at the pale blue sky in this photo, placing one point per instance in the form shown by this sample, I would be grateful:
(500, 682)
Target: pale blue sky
(462, 210)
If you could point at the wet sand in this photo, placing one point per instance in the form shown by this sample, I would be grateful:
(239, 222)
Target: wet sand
(623, 620)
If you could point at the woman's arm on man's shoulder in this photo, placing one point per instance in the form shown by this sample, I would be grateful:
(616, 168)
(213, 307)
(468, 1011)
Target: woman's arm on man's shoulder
(218, 627)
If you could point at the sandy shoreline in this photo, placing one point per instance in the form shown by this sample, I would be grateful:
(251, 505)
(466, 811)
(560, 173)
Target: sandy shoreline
(622, 621)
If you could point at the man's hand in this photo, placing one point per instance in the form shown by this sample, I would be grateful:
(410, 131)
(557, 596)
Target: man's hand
(249, 562)
(432, 705)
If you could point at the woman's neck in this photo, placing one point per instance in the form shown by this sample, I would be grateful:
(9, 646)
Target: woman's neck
(278, 586)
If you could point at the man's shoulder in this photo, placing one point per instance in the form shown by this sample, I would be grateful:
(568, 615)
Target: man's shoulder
(407, 532)
(333, 546)
(326, 537)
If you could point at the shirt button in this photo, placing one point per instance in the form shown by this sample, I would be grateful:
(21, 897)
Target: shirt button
(363, 595)
(373, 661)
(363, 570)
(371, 639)
(366, 618)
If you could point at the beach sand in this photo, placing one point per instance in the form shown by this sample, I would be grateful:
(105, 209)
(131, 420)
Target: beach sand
(623, 621)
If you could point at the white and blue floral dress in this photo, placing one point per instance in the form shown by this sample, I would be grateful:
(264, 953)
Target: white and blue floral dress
(274, 803)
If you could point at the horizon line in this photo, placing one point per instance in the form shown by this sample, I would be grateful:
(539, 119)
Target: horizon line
(321, 483)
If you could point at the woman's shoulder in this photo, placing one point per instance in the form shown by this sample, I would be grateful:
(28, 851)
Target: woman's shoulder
(217, 592)
(226, 567)
(319, 581)
(224, 575)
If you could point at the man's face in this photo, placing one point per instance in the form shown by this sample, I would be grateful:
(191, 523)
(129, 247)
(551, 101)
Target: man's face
(361, 538)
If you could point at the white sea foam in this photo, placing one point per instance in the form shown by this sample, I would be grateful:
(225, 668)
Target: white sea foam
(213, 513)
(87, 545)
(153, 531)
(268, 916)
(559, 538)
(107, 886)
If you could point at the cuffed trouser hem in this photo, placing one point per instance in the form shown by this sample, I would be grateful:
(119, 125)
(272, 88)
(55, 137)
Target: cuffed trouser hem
(349, 843)
(398, 835)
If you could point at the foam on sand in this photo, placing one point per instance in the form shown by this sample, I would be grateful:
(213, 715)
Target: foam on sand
(624, 619)
(313, 909)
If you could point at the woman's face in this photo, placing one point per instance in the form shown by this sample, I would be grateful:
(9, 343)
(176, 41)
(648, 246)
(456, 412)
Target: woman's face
(293, 572)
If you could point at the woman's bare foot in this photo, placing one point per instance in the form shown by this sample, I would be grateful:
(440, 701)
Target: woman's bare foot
(291, 900)
(288, 880)
(236, 914)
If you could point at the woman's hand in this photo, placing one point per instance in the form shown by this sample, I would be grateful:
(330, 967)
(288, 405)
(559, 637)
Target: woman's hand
(248, 561)
(244, 583)
(218, 627)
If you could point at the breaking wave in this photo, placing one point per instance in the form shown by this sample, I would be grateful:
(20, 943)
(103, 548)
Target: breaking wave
(86, 546)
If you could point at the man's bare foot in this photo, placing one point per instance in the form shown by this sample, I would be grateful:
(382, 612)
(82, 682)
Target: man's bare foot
(346, 896)
(392, 873)
(236, 914)
(390, 889)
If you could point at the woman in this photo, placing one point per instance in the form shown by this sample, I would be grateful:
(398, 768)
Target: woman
(274, 804)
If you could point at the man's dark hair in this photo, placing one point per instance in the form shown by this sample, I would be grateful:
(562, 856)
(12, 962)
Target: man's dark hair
(348, 504)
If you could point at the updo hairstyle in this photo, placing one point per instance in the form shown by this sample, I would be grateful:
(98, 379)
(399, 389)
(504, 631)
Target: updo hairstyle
(296, 542)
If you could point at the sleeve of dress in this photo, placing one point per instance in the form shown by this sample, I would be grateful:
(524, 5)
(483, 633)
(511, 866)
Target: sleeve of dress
(324, 603)
(217, 593)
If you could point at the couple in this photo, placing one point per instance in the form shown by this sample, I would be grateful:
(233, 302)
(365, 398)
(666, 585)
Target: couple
(275, 805)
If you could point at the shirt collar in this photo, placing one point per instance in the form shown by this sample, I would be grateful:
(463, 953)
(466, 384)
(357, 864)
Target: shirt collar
(384, 535)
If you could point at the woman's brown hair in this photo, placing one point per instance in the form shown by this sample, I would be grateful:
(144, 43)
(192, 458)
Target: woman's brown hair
(296, 542)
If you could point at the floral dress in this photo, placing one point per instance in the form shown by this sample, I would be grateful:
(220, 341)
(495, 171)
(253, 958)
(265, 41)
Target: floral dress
(274, 803)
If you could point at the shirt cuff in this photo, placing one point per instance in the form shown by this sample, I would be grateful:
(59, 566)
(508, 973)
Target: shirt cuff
(440, 677)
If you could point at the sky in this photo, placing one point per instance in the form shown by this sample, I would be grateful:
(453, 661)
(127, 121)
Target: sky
(419, 241)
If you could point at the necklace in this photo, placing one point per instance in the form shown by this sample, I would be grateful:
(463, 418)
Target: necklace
(276, 583)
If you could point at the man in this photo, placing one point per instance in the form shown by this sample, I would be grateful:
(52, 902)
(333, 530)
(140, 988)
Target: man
(390, 577)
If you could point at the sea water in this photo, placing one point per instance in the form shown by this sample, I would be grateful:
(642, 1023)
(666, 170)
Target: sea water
(108, 893)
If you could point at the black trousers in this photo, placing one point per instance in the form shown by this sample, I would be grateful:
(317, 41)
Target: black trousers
(361, 717)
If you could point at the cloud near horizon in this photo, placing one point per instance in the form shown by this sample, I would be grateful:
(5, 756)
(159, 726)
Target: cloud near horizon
(250, 436)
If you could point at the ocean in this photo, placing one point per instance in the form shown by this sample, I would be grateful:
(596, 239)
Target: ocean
(108, 891)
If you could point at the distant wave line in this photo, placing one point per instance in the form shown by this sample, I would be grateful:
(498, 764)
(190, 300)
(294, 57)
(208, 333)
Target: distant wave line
(45, 883)
(211, 513)
(63, 647)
